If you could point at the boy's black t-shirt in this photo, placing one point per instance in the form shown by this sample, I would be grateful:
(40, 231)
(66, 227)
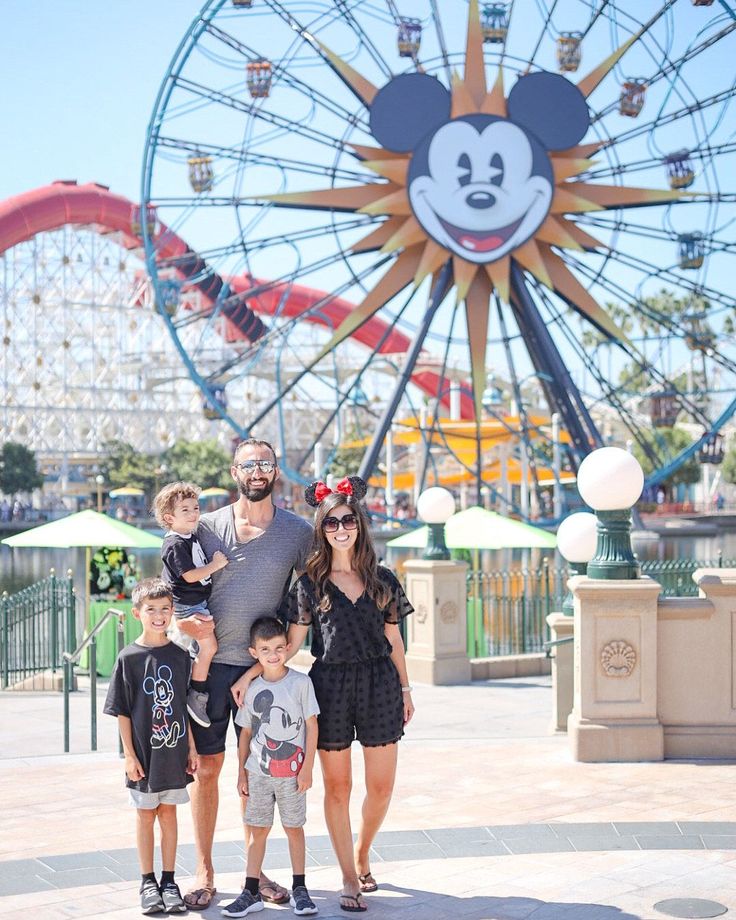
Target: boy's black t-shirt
(181, 554)
(149, 686)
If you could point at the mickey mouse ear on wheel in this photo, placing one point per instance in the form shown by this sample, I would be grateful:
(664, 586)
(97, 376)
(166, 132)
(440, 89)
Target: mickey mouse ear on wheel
(408, 108)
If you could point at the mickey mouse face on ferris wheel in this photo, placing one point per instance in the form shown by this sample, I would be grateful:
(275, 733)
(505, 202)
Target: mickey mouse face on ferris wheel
(480, 185)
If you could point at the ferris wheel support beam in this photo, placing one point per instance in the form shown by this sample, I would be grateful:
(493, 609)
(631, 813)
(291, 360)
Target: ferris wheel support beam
(564, 395)
(439, 292)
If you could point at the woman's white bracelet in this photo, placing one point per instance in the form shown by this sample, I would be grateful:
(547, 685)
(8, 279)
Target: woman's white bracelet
(406, 689)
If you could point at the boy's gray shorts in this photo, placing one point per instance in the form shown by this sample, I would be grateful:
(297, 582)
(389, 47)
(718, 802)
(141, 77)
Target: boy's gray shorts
(150, 800)
(264, 791)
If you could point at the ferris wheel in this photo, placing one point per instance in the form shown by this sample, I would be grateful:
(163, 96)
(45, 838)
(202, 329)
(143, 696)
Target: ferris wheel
(504, 230)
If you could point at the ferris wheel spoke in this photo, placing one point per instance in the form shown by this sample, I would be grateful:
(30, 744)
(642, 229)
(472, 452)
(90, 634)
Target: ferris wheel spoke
(279, 121)
(284, 75)
(641, 165)
(665, 119)
(441, 41)
(671, 67)
(543, 32)
(347, 13)
(256, 158)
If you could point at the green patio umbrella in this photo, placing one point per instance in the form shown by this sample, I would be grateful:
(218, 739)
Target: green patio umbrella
(87, 529)
(476, 528)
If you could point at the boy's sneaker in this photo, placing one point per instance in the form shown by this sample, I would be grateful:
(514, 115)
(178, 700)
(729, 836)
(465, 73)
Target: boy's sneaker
(197, 707)
(246, 903)
(151, 900)
(301, 902)
(173, 901)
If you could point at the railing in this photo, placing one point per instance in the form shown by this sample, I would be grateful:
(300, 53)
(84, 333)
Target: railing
(507, 609)
(37, 625)
(71, 659)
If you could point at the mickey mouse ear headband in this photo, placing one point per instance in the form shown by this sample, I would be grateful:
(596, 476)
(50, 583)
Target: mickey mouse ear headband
(316, 492)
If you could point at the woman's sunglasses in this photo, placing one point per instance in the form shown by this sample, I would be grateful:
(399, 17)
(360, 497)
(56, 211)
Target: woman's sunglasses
(332, 524)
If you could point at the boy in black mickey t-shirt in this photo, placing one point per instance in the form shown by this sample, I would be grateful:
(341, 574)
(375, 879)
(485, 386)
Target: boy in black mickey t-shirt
(147, 693)
(186, 569)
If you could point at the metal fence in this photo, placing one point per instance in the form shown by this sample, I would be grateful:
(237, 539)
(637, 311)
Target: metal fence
(36, 626)
(507, 609)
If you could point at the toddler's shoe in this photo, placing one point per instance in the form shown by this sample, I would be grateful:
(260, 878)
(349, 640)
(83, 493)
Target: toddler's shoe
(302, 904)
(151, 900)
(245, 903)
(197, 707)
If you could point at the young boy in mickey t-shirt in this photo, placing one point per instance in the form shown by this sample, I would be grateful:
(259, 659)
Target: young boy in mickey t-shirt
(148, 694)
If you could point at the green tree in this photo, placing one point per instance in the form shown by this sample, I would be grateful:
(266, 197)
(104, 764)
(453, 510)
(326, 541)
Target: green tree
(669, 442)
(728, 470)
(123, 465)
(346, 460)
(18, 469)
(203, 462)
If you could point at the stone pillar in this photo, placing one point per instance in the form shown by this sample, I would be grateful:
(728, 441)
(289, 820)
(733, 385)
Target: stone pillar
(614, 716)
(437, 630)
(561, 627)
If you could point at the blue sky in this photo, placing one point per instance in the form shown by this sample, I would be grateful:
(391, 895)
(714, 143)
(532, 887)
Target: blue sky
(80, 79)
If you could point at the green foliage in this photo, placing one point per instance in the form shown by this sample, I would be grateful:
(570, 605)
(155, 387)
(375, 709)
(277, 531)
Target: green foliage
(346, 460)
(18, 469)
(123, 465)
(669, 441)
(202, 462)
(728, 469)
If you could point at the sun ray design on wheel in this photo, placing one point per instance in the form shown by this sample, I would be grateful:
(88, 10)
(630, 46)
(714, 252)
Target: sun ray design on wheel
(515, 161)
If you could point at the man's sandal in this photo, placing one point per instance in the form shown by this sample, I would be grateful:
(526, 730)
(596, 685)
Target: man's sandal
(277, 894)
(194, 898)
(367, 883)
(357, 907)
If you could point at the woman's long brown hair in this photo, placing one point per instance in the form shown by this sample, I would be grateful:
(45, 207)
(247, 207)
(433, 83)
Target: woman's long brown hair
(364, 562)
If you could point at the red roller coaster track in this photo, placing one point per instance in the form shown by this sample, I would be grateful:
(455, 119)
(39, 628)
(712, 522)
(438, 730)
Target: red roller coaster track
(52, 206)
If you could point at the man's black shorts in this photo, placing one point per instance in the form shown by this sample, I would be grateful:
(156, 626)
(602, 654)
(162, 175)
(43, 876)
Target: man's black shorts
(220, 708)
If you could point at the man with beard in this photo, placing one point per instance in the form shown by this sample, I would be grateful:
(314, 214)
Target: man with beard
(264, 545)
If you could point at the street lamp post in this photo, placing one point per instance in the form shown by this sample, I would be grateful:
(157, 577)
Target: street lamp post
(611, 480)
(435, 506)
(99, 481)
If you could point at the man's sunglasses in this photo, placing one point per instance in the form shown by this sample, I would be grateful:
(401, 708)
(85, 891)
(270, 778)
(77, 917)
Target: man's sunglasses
(332, 524)
(248, 466)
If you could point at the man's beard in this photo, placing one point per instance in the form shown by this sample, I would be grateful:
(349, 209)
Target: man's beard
(256, 495)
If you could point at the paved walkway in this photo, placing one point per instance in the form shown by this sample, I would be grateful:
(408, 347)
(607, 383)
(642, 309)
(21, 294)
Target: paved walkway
(491, 821)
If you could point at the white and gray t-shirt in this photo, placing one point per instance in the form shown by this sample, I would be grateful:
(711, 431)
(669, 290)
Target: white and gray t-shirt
(277, 712)
(256, 578)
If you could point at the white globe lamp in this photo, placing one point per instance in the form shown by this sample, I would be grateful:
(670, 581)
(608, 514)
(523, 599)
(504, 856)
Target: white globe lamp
(577, 538)
(611, 480)
(435, 507)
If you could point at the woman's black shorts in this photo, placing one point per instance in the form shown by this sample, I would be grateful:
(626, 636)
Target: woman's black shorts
(360, 700)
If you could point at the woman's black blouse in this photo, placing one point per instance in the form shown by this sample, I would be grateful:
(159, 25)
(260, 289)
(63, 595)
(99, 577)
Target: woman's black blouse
(347, 632)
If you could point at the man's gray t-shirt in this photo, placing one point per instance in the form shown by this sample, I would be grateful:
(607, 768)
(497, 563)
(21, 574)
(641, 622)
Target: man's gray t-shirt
(256, 578)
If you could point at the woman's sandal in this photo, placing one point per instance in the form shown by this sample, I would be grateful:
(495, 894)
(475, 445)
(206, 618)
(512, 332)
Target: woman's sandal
(357, 899)
(367, 883)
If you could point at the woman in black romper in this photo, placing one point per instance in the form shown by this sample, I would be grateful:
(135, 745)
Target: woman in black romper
(354, 607)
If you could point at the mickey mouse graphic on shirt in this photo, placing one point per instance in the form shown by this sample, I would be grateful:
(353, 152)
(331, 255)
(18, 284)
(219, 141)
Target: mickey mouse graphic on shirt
(275, 731)
(480, 185)
(163, 732)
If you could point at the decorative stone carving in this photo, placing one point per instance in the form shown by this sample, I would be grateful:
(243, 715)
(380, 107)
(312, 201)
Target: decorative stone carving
(448, 612)
(421, 613)
(618, 658)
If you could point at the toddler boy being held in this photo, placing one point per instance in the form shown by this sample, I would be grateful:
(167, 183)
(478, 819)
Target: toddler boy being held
(186, 569)
(276, 750)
